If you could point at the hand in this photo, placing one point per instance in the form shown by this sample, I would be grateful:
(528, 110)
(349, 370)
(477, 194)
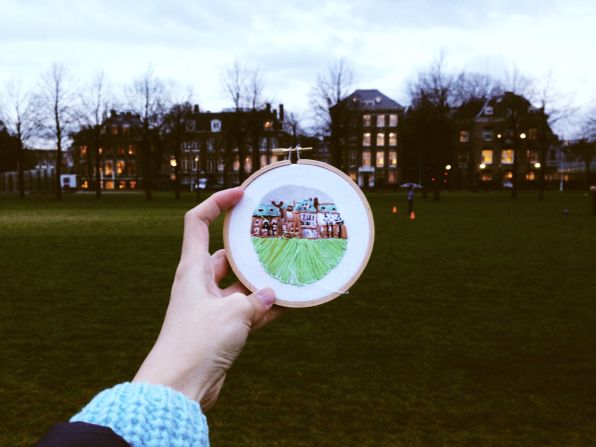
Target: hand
(205, 327)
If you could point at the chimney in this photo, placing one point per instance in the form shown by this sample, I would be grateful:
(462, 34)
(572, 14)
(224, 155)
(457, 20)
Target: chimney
(281, 112)
(268, 107)
(112, 113)
(195, 108)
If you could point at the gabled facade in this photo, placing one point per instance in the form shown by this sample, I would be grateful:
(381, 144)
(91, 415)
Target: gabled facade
(365, 139)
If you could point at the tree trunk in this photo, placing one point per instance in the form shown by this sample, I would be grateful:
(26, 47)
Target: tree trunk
(58, 171)
(20, 162)
(147, 163)
(97, 164)
(177, 169)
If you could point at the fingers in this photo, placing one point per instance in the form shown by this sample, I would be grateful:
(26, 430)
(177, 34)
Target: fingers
(198, 219)
(273, 314)
(219, 261)
(237, 287)
(256, 305)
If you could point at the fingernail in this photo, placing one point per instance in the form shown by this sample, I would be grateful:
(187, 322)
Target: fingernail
(267, 296)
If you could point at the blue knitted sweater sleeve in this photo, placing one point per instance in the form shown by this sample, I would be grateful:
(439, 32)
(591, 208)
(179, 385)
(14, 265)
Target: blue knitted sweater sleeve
(147, 415)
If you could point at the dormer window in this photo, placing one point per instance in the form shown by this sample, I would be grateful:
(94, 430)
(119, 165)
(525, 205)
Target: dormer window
(488, 111)
(190, 126)
(215, 126)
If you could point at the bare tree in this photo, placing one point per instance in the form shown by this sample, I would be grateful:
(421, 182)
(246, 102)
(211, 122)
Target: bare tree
(585, 147)
(148, 98)
(329, 108)
(94, 105)
(474, 86)
(55, 107)
(19, 119)
(175, 121)
(433, 95)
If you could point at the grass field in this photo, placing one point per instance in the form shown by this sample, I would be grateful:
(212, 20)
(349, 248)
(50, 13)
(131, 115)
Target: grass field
(474, 325)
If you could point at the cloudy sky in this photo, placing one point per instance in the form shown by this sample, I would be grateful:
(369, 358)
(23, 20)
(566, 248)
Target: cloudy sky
(385, 41)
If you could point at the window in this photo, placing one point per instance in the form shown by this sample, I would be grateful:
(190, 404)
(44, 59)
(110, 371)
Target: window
(221, 166)
(530, 176)
(194, 163)
(366, 120)
(392, 159)
(114, 132)
(108, 168)
(236, 164)
(215, 125)
(486, 177)
(380, 120)
(507, 156)
(184, 164)
(263, 144)
(353, 176)
(380, 159)
(122, 184)
(381, 139)
(464, 136)
(130, 168)
(487, 135)
(211, 165)
(366, 139)
(366, 158)
(392, 177)
(83, 150)
(248, 163)
(125, 129)
(392, 139)
(263, 161)
(190, 125)
(120, 167)
(209, 145)
(508, 175)
(532, 133)
(352, 158)
(393, 120)
(274, 158)
(133, 184)
(110, 184)
(532, 156)
(488, 111)
(131, 149)
(487, 156)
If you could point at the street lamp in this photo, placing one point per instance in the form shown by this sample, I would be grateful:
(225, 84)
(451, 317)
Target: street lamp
(522, 135)
(537, 165)
(482, 165)
(448, 167)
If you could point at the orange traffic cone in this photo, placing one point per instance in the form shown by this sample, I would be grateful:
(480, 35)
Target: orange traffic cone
(394, 209)
(412, 215)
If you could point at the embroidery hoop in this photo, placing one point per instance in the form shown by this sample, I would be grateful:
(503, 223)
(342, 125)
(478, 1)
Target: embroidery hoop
(364, 252)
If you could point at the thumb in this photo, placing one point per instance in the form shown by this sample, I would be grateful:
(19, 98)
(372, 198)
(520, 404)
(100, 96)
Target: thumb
(261, 301)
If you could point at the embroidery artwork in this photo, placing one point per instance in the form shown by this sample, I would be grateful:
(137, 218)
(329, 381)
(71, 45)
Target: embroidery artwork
(298, 234)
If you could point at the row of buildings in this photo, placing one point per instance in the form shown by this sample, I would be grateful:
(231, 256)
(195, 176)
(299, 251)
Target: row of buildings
(493, 143)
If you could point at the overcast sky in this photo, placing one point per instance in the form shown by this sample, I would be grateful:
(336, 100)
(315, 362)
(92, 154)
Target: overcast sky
(386, 41)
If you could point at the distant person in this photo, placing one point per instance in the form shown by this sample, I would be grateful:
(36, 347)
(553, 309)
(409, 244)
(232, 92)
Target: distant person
(204, 331)
(410, 200)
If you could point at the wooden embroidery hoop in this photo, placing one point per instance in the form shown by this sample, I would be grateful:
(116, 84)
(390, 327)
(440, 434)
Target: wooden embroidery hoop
(350, 281)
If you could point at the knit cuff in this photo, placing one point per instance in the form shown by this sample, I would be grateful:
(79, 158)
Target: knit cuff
(148, 415)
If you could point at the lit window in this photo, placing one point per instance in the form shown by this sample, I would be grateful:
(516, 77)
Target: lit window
(464, 136)
(487, 156)
(352, 158)
(122, 184)
(121, 151)
(85, 184)
(108, 169)
(114, 132)
(263, 161)
(268, 124)
(366, 158)
(393, 120)
(274, 158)
(120, 167)
(215, 125)
(366, 120)
(392, 159)
(532, 133)
(366, 139)
(133, 184)
(248, 164)
(353, 176)
(530, 176)
(532, 156)
(507, 156)
(110, 184)
(487, 135)
(380, 139)
(83, 151)
(392, 139)
(486, 177)
(131, 149)
(392, 177)
(380, 159)
(236, 164)
(380, 120)
(508, 175)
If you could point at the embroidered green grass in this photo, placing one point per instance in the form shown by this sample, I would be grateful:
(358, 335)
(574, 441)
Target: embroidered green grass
(299, 261)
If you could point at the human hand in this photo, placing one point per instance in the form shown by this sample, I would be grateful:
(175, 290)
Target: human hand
(205, 327)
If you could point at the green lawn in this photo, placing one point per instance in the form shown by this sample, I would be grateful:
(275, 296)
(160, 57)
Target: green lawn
(474, 324)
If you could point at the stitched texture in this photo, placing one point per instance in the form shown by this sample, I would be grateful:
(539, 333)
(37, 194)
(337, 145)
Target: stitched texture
(148, 415)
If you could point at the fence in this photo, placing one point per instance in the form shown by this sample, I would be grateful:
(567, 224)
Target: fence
(36, 180)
